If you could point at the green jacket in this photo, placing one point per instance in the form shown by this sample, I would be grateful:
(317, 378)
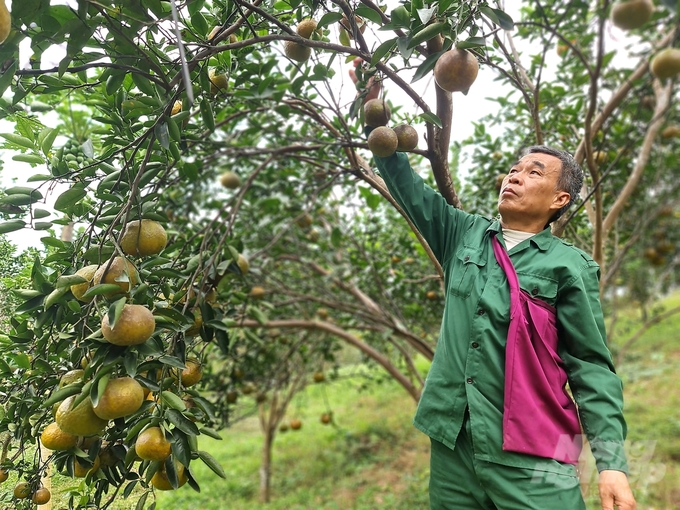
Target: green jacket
(468, 366)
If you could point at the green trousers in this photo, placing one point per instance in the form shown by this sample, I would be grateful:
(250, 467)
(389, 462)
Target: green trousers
(458, 481)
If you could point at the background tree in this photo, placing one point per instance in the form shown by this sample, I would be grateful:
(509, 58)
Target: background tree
(156, 101)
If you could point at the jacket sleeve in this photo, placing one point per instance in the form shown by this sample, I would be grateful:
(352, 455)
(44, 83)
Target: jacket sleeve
(596, 388)
(441, 224)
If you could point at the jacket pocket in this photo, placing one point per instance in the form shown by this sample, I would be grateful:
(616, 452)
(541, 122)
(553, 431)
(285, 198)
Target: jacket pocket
(468, 263)
(539, 287)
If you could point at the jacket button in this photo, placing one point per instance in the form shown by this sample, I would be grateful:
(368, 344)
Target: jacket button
(469, 380)
(475, 345)
(467, 257)
(534, 291)
(480, 312)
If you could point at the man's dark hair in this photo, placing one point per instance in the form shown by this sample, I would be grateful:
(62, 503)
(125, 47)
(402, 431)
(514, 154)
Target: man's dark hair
(571, 175)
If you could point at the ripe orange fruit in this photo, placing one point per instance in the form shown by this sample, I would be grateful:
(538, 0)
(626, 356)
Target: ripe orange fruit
(257, 292)
(407, 137)
(432, 295)
(160, 478)
(53, 438)
(22, 490)
(296, 424)
(122, 397)
(82, 470)
(319, 377)
(666, 63)
(81, 420)
(195, 329)
(305, 221)
(306, 28)
(230, 180)
(456, 70)
(325, 418)
(135, 326)
(41, 496)
(383, 142)
(79, 289)
(630, 14)
(243, 264)
(143, 238)
(122, 272)
(192, 374)
(151, 444)
(70, 377)
(297, 52)
(4, 474)
(376, 113)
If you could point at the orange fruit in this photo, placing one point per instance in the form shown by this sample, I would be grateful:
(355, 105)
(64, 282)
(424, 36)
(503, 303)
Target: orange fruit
(192, 374)
(53, 438)
(82, 470)
(122, 397)
(135, 326)
(41, 496)
(160, 478)
(456, 70)
(79, 289)
(22, 490)
(81, 420)
(121, 272)
(143, 238)
(151, 444)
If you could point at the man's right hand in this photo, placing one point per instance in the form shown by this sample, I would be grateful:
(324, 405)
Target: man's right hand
(374, 87)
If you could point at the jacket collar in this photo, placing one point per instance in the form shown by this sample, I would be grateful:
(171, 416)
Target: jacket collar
(542, 240)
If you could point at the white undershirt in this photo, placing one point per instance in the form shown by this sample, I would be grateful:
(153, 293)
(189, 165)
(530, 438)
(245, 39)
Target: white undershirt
(513, 237)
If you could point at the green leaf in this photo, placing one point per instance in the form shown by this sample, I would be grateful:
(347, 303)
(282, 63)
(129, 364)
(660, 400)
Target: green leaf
(115, 310)
(114, 81)
(97, 392)
(24, 190)
(400, 17)
(370, 14)
(431, 117)
(382, 50)
(53, 297)
(63, 394)
(207, 115)
(69, 198)
(48, 140)
(143, 84)
(472, 42)
(33, 159)
(199, 23)
(7, 76)
(336, 237)
(42, 225)
(427, 33)
(68, 280)
(426, 15)
(328, 18)
(11, 226)
(210, 461)
(17, 200)
(101, 289)
(172, 400)
(211, 433)
(425, 68)
(181, 422)
(21, 141)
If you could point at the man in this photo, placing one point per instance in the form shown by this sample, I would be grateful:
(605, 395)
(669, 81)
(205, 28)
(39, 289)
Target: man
(462, 408)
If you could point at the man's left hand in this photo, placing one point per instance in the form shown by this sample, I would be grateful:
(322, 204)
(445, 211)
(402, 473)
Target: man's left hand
(615, 491)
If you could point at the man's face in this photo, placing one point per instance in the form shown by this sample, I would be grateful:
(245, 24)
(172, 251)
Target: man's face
(529, 196)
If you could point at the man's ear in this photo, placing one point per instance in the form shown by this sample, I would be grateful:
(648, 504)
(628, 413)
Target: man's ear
(560, 200)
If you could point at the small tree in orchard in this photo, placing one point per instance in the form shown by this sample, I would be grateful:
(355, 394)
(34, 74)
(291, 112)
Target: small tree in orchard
(208, 156)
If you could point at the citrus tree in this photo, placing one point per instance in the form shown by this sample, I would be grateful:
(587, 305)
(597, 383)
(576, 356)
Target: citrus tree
(216, 176)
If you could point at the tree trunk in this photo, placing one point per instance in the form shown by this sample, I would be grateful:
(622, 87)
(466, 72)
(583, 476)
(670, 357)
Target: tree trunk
(265, 466)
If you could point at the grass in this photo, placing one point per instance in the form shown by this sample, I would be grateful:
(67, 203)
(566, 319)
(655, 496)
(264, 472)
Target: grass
(372, 457)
